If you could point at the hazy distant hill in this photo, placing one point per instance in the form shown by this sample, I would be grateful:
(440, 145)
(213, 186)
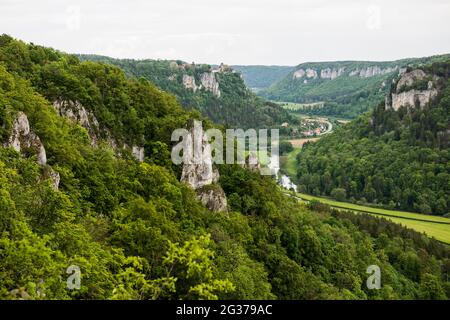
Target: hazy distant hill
(218, 92)
(347, 88)
(261, 77)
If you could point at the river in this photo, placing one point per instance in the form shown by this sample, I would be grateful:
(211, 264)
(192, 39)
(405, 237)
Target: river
(282, 179)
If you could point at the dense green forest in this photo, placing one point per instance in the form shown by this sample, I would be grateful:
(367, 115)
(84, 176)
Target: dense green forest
(236, 106)
(346, 88)
(262, 77)
(398, 159)
(136, 232)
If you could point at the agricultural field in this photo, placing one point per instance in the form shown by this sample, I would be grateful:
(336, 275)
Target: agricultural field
(433, 226)
(296, 107)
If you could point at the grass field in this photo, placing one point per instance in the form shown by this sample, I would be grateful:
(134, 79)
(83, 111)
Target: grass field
(432, 226)
(293, 106)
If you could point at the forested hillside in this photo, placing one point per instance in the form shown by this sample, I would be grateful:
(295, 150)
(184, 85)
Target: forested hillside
(219, 93)
(72, 193)
(345, 88)
(396, 156)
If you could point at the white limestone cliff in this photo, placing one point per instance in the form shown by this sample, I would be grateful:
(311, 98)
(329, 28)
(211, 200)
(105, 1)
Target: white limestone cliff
(300, 73)
(77, 113)
(189, 82)
(403, 96)
(24, 140)
(209, 82)
(372, 71)
(329, 73)
(138, 153)
(198, 171)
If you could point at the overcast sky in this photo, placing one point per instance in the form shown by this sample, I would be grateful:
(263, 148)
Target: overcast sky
(282, 32)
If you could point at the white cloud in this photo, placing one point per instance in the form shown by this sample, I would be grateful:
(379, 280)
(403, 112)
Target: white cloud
(235, 31)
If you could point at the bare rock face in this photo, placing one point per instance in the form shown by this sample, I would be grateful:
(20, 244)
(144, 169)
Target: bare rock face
(197, 164)
(198, 171)
(189, 82)
(412, 98)
(209, 82)
(55, 177)
(331, 73)
(24, 140)
(402, 97)
(213, 197)
(298, 74)
(252, 162)
(74, 111)
(138, 153)
(372, 71)
(311, 73)
(52, 175)
(409, 78)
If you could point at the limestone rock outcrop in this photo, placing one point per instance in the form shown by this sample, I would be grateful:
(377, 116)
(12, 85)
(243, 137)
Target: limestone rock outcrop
(298, 74)
(372, 71)
(209, 82)
(189, 82)
(24, 140)
(138, 153)
(213, 197)
(409, 78)
(198, 171)
(309, 73)
(75, 112)
(52, 175)
(252, 162)
(329, 73)
(405, 96)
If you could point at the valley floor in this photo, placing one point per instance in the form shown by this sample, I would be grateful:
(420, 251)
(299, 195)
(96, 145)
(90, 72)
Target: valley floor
(432, 226)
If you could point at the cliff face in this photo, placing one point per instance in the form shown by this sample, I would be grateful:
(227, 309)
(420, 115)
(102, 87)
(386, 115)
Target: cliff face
(208, 80)
(309, 73)
(198, 171)
(25, 141)
(335, 72)
(213, 197)
(405, 95)
(373, 71)
(331, 73)
(138, 153)
(74, 111)
(77, 113)
(189, 82)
